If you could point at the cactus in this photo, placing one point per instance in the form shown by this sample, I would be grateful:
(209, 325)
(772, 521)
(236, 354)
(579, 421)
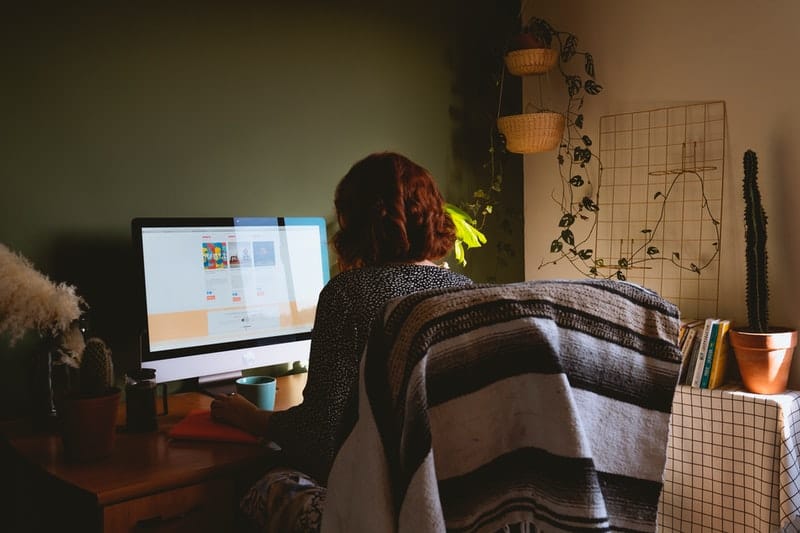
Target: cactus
(97, 369)
(755, 223)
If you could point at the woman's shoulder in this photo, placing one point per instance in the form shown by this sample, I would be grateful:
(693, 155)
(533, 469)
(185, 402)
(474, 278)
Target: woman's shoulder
(391, 280)
(436, 274)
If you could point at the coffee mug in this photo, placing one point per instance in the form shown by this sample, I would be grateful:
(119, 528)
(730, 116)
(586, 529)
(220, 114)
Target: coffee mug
(259, 390)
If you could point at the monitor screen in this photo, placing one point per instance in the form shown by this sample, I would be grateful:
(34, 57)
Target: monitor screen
(226, 294)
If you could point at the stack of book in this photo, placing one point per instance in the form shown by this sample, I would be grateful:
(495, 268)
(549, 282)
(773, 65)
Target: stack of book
(704, 344)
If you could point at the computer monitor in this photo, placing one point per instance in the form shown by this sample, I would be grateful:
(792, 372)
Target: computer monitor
(222, 295)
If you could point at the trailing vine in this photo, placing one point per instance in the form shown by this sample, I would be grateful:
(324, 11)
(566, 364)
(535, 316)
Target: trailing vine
(580, 172)
(578, 200)
(470, 217)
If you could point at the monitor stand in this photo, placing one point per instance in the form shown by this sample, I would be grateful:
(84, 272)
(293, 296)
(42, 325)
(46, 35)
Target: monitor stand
(220, 384)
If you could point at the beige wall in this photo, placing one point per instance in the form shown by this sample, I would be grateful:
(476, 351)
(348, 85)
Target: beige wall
(651, 54)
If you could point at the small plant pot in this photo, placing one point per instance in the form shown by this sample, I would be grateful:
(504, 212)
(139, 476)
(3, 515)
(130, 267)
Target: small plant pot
(89, 427)
(764, 359)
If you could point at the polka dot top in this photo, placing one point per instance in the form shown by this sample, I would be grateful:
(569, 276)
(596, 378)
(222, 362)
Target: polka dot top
(310, 432)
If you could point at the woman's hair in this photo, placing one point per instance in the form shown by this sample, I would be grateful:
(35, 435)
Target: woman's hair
(390, 210)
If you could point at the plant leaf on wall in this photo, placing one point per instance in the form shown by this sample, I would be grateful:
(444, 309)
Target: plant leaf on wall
(467, 234)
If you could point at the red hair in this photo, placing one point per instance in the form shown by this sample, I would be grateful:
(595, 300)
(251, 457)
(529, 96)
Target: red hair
(390, 210)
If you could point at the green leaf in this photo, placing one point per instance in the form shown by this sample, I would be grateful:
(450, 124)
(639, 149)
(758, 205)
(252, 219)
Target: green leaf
(621, 276)
(470, 235)
(589, 65)
(569, 48)
(579, 121)
(556, 246)
(458, 251)
(466, 230)
(582, 154)
(568, 237)
(676, 255)
(589, 204)
(586, 140)
(576, 180)
(592, 87)
(652, 250)
(647, 230)
(622, 262)
(457, 212)
(585, 254)
(566, 221)
(574, 84)
(541, 29)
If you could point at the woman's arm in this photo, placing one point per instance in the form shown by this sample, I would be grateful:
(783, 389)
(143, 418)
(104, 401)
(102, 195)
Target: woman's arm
(308, 432)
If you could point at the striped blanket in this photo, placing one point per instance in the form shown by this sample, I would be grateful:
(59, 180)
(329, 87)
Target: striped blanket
(542, 403)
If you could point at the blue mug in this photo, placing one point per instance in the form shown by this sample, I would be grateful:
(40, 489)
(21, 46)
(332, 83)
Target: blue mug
(259, 390)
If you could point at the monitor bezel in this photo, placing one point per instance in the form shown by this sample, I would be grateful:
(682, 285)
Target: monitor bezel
(220, 361)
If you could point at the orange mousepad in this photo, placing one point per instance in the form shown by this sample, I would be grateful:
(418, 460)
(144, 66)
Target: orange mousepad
(198, 425)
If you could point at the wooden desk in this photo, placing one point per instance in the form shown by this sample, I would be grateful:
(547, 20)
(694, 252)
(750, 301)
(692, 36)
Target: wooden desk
(149, 482)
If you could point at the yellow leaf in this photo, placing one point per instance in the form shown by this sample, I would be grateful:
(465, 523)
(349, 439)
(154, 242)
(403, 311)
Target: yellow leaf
(466, 233)
(459, 253)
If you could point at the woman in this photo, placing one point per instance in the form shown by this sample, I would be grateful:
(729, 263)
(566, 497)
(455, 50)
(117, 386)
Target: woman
(392, 228)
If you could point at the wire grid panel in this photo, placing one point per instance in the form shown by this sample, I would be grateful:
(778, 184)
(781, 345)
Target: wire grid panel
(732, 462)
(661, 201)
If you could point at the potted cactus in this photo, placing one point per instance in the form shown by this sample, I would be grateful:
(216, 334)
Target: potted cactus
(763, 352)
(88, 412)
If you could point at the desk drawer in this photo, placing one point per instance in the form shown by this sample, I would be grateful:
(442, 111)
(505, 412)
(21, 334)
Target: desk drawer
(202, 507)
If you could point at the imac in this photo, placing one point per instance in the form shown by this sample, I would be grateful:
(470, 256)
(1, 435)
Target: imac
(226, 294)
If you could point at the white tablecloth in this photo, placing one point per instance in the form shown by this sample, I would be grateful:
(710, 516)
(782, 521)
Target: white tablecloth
(732, 462)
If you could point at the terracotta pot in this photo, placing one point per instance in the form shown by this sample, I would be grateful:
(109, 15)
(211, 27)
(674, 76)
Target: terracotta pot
(764, 359)
(89, 426)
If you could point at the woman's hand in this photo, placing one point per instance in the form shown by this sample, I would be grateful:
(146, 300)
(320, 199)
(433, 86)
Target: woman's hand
(235, 410)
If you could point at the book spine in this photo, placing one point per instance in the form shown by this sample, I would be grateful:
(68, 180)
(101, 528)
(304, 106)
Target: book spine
(686, 355)
(702, 351)
(719, 366)
(693, 356)
(712, 343)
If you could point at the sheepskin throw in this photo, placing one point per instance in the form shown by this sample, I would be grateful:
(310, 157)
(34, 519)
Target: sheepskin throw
(542, 403)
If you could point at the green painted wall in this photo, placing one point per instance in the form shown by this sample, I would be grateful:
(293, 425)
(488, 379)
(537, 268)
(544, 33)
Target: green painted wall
(227, 108)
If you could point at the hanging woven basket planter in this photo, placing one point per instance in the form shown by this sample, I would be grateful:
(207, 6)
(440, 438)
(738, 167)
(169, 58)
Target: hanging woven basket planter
(531, 61)
(532, 132)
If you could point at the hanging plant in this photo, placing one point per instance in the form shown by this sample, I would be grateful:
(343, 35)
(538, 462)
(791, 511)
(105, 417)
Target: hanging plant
(578, 200)
(470, 219)
(580, 172)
